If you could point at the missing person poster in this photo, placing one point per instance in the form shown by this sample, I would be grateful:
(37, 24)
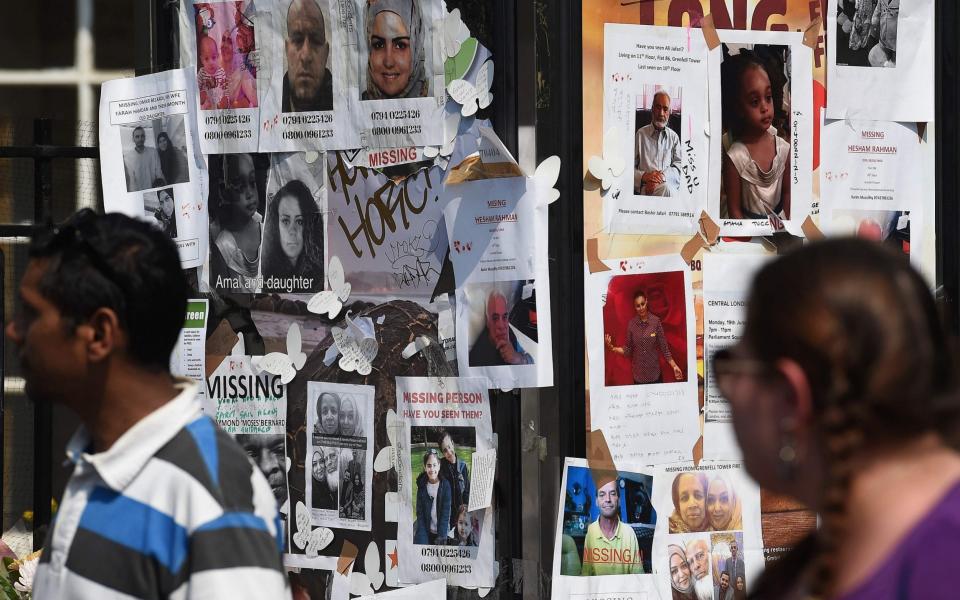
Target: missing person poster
(401, 93)
(498, 247)
(292, 255)
(708, 541)
(150, 162)
(447, 420)
(641, 338)
(312, 75)
(387, 231)
(875, 73)
(604, 541)
(871, 183)
(339, 489)
(761, 132)
(220, 42)
(253, 408)
(726, 282)
(655, 99)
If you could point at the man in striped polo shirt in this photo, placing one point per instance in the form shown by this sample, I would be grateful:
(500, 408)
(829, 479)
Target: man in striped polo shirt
(161, 503)
(645, 338)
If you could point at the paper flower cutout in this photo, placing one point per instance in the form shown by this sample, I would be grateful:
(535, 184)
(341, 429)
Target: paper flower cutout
(366, 583)
(284, 365)
(357, 350)
(311, 540)
(330, 302)
(611, 165)
(472, 97)
(546, 175)
(454, 33)
(451, 126)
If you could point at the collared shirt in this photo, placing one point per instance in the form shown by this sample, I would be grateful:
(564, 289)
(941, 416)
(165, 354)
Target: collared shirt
(643, 340)
(173, 509)
(142, 168)
(657, 150)
(619, 555)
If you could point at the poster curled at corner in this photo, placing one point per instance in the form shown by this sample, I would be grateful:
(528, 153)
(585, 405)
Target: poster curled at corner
(497, 231)
(399, 103)
(188, 358)
(641, 338)
(447, 418)
(708, 532)
(253, 408)
(339, 485)
(761, 159)
(880, 57)
(655, 97)
(585, 564)
(726, 282)
(150, 161)
(311, 75)
(871, 184)
(220, 43)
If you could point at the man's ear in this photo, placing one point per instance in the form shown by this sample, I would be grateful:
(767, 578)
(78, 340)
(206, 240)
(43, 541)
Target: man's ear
(104, 334)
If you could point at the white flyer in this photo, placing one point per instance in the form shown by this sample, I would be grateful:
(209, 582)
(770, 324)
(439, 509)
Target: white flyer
(871, 183)
(605, 532)
(761, 132)
(219, 42)
(150, 161)
(446, 421)
(641, 342)
(655, 103)
(873, 71)
(188, 358)
(339, 487)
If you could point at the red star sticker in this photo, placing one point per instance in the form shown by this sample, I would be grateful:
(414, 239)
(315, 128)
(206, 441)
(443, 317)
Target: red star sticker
(393, 558)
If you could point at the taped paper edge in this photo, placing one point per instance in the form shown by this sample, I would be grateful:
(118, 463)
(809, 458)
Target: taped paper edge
(599, 459)
(348, 554)
(593, 261)
(812, 33)
(709, 32)
(810, 230)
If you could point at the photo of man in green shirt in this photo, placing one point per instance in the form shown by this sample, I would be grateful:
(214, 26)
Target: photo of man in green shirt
(610, 546)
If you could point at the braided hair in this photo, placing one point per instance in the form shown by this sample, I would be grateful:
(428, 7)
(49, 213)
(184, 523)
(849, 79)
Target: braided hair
(864, 328)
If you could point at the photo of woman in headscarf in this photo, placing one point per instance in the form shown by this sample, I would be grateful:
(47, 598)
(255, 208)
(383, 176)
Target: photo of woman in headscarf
(293, 240)
(724, 511)
(173, 161)
(396, 65)
(681, 580)
(351, 423)
(689, 494)
(164, 213)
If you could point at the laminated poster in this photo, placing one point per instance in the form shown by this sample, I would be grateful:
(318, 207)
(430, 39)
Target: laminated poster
(726, 283)
(148, 126)
(708, 541)
(446, 421)
(643, 364)
(871, 183)
(220, 41)
(761, 132)
(655, 99)
(340, 453)
(875, 73)
(498, 247)
(604, 539)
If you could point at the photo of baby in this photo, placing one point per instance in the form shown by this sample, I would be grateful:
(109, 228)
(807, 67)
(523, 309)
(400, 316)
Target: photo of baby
(226, 71)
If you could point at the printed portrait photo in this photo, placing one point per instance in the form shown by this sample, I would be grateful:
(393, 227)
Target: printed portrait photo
(398, 48)
(755, 110)
(891, 227)
(689, 564)
(441, 464)
(352, 470)
(607, 531)
(237, 197)
(704, 501)
(307, 81)
(325, 468)
(867, 32)
(645, 329)
(729, 571)
(154, 153)
(226, 69)
(656, 155)
(502, 322)
(268, 452)
(159, 208)
(338, 414)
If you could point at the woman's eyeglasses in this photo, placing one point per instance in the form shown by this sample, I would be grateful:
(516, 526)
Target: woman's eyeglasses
(728, 368)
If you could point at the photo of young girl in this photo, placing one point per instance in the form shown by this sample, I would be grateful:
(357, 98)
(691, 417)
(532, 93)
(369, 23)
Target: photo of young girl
(755, 105)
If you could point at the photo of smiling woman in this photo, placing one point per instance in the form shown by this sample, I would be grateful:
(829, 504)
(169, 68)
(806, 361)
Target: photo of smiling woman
(293, 241)
(689, 494)
(681, 581)
(395, 42)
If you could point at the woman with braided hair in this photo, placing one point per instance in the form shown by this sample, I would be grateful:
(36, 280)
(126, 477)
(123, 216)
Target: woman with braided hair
(844, 395)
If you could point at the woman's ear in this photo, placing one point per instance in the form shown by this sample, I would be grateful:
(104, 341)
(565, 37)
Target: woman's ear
(798, 399)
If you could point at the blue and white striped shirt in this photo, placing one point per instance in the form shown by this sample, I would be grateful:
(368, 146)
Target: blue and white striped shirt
(173, 509)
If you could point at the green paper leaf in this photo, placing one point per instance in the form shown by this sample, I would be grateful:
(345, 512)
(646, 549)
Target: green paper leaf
(8, 589)
(457, 67)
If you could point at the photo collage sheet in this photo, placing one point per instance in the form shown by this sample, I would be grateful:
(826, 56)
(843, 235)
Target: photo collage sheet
(741, 101)
(313, 160)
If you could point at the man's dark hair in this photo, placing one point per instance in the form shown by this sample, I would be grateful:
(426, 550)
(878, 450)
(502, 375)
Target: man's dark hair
(117, 262)
(639, 293)
(140, 128)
